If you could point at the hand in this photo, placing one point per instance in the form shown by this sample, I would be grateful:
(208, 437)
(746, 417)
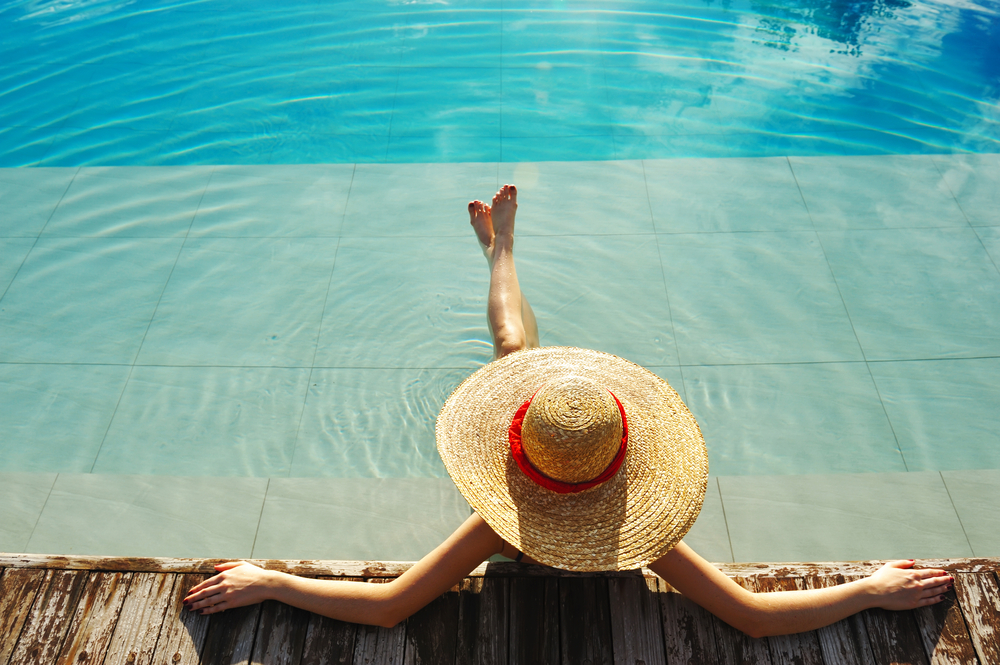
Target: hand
(238, 583)
(900, 587)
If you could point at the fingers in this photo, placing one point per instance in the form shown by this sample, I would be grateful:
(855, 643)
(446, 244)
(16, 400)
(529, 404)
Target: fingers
(231, 564)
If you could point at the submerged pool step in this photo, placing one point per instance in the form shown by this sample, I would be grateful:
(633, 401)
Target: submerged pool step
(745, 518)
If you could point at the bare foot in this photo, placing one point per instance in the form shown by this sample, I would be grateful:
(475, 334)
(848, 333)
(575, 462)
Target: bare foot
(504, 208)
(482, 221)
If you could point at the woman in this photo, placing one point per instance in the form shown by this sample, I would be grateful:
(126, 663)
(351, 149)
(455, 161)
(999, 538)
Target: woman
(575, 459)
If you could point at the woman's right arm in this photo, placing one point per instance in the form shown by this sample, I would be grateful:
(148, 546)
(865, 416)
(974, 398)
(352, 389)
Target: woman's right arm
(241, 583)
(895, 586)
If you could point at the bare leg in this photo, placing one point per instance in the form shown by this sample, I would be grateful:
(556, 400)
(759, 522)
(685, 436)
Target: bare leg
(512, 322)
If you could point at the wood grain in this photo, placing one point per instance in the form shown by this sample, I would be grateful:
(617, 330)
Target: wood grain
(735, 646)
(51, 614)
(329, 641)
(376, 645)
(585, 622)
(688, 636)
(980, 599)
(483, 621)
(534, 620)
(182, 634)
(281, 634)
(17, 593)
(230, 636)
(432, 633)
(370, 569)
(796, 648)
(96, 616)
(845, 642)
(636, 625)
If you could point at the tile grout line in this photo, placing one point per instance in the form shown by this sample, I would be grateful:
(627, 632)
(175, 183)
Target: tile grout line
(152, 316)
(40, 512)
(260, 517)
(965, 215)
(843, 303)
(40, 232)
(725, 520)
(663, 276)
(957, 514)
(319, 330)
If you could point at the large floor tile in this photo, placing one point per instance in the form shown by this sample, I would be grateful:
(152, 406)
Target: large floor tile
(943, 411)
(84, 300)
(903, 191)
(130, 201)
(584, 294)
(12, 253)
(975, 182)
(917, 293)
(242, 301)
(22, 497)
(844, 517)
(709, 536)
(372, 423)
(279, 200)
(416, 199)
(990, 237)
(791, 419)
(753, 298)
(205, 421)
(974, 494)
(54, 417)
(29, 196)
(564, 198)
(418, 303)
(692, 195)
(399, 519)
(150, 516)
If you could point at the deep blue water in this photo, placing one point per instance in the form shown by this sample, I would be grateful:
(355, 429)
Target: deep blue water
(101, 82)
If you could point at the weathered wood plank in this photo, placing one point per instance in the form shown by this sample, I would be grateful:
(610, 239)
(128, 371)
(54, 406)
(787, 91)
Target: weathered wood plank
(735, 646)
(534, 620)
(51, 614)
(96, 616)
(376, 645)
(636, 624)
(182, 634)
(483, 621)
(281, 635)
(944, 633)
(432, 633)
(329, 641)
(980, 599)
(230, 636)
(585, 622)
(688, 636)
(797, 648)
(17, 593)
(138, 627)
(845, 642)
(370, 569)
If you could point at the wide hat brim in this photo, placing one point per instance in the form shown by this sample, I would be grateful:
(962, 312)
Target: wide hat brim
(627, 522)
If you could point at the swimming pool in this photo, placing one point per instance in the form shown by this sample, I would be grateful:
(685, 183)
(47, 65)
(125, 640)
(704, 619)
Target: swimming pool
(237, 280)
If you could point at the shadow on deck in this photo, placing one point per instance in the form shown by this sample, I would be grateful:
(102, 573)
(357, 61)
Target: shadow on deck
(127, 611)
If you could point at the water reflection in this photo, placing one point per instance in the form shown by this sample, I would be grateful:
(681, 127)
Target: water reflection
(841, 21)
(147, 83)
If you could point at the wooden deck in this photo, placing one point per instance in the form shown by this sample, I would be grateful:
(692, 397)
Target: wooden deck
(94, 610)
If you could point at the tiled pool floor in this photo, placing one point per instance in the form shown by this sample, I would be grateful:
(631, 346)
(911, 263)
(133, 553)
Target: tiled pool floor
(236, 361)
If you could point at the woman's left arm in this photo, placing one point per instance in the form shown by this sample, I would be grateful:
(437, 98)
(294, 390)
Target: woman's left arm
(895, 586)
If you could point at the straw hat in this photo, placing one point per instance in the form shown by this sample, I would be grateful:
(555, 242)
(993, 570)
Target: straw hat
(603, 469)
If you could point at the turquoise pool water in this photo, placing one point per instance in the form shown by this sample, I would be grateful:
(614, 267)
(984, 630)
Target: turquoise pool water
(237, 279)
(103, 82)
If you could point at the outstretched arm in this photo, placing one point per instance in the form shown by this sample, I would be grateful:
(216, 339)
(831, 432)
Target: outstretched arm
(241, 583)
(895, 586)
